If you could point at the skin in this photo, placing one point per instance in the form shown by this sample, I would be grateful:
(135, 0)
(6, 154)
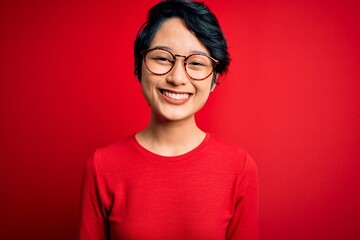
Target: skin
(172, 129)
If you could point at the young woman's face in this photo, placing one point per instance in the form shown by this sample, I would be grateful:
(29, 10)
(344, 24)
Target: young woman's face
(175, 96)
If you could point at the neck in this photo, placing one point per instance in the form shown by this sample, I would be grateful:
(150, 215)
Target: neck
(171, 138)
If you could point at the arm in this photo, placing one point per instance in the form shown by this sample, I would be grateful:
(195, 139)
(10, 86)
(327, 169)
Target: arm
(244, 222)
(93, 224)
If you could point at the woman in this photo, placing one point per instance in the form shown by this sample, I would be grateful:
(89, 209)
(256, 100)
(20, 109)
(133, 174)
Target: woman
(172, 180)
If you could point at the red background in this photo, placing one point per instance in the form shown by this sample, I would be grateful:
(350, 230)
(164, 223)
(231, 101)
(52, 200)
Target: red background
(291, 98)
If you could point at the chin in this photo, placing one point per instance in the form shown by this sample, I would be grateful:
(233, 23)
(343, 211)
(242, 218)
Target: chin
(174, 117)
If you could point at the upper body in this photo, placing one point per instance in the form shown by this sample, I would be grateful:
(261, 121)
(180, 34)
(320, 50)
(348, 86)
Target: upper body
(207, 193)
(206, 188)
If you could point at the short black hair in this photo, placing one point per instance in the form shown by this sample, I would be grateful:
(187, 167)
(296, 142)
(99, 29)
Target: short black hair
(197, 17)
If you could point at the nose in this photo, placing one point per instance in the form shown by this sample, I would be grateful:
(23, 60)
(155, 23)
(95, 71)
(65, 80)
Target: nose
(177, 75)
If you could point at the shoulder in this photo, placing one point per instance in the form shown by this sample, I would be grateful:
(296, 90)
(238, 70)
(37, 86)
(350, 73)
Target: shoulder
(230, 153)
(121, 147)
(114, 155)
(218, 145)
(224, 144)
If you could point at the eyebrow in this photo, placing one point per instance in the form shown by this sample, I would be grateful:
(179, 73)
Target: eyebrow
(191, 52)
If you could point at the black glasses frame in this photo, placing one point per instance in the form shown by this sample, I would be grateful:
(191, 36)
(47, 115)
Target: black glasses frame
(214, 61)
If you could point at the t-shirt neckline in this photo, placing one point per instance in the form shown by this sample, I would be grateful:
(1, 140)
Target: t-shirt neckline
(176, 158)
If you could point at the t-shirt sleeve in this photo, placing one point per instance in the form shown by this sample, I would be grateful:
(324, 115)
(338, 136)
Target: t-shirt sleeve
(244, 222)
(93, 224)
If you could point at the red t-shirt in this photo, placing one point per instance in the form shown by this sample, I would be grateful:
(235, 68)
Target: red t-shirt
(210, 192)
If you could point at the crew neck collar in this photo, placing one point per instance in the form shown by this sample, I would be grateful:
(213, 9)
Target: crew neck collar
(176, 158)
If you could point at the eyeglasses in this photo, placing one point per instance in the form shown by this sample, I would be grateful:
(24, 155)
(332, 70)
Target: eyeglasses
(160, 61)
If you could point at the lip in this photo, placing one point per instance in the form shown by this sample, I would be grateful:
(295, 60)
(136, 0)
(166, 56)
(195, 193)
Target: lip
(181, 97)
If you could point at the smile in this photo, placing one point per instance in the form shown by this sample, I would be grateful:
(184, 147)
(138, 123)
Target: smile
(175, 96)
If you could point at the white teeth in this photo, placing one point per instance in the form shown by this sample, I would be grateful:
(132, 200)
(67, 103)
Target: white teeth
(176, 96)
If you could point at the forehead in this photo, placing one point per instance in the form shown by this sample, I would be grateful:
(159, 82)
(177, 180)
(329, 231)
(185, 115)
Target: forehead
(174, 35)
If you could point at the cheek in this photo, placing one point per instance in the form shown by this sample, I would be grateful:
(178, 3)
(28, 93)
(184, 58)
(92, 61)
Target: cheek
(204, 88)
(148, 78)
(146, 93)
(148, 87)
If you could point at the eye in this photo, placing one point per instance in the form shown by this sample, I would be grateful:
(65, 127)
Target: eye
(196, 64)
(162, 59)
(160, 56)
